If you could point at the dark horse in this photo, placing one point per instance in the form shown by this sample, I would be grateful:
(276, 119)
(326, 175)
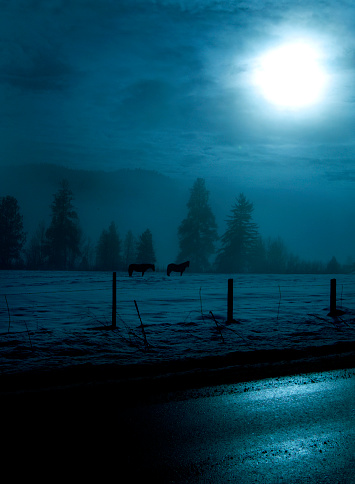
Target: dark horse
(140, 268)
(177, 267)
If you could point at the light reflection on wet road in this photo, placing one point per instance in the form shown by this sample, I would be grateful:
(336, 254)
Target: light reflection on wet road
(286, 430)
(291, 430)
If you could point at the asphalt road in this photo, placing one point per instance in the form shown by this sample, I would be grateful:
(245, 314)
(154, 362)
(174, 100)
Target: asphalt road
(298, 429)
(286, 430)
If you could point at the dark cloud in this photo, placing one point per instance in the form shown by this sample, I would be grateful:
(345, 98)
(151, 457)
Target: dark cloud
(341, 175)
(146, 105)
(40, 70)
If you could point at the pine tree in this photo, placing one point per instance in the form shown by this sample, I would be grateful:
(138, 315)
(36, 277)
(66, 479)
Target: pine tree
(108, 250)
(239, 242)
(277, 256)
(129, 249)
(88, 254)
(36, 250)
(258, 262)
(145, 250)
(12, 236)
(333, 266)
(198, 231)
(64, 234)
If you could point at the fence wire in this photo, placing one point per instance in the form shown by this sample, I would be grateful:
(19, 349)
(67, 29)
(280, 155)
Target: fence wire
(159, 300)
(51, 319)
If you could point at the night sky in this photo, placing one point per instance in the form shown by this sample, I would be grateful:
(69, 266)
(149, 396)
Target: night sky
(254, 96)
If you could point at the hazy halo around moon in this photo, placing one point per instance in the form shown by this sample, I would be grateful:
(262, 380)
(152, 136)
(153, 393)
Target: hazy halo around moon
(291, 75)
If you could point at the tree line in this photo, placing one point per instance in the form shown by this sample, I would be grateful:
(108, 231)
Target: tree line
(63, 246)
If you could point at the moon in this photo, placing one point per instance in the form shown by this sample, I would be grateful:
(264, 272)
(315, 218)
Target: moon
(291, 75)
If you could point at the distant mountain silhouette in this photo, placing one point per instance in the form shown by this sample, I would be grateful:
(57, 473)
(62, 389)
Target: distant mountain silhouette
(134, 199)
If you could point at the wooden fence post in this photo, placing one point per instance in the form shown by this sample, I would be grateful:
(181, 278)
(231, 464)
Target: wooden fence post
(230, 301)
(114, 300)
(333, 296)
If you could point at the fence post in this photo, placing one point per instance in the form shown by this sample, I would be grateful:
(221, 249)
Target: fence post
(333, 296)
(230, 301)
(114, 299)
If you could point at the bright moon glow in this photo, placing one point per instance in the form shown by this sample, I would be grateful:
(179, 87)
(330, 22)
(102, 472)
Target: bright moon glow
(291, 76)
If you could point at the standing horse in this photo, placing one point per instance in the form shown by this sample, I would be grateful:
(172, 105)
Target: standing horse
(177, 267)
(140, 268)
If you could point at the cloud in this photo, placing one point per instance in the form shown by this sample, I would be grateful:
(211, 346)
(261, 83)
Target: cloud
(146, 105)
(163, 83)
(341, 175)
(39, 70)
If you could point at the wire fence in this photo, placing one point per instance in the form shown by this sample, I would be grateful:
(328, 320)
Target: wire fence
(73, 297)
(51, 319)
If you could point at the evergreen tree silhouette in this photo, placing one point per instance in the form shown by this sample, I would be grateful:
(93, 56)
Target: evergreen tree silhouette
(64, 233)
(12, 236)
(145, 250)
(108, 250)
(240, 239)
(198, 231)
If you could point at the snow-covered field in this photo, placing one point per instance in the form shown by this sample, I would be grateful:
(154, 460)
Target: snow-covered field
(56, 319)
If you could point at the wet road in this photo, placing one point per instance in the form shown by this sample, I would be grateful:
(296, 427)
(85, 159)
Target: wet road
(290, 430)
(286, 430)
